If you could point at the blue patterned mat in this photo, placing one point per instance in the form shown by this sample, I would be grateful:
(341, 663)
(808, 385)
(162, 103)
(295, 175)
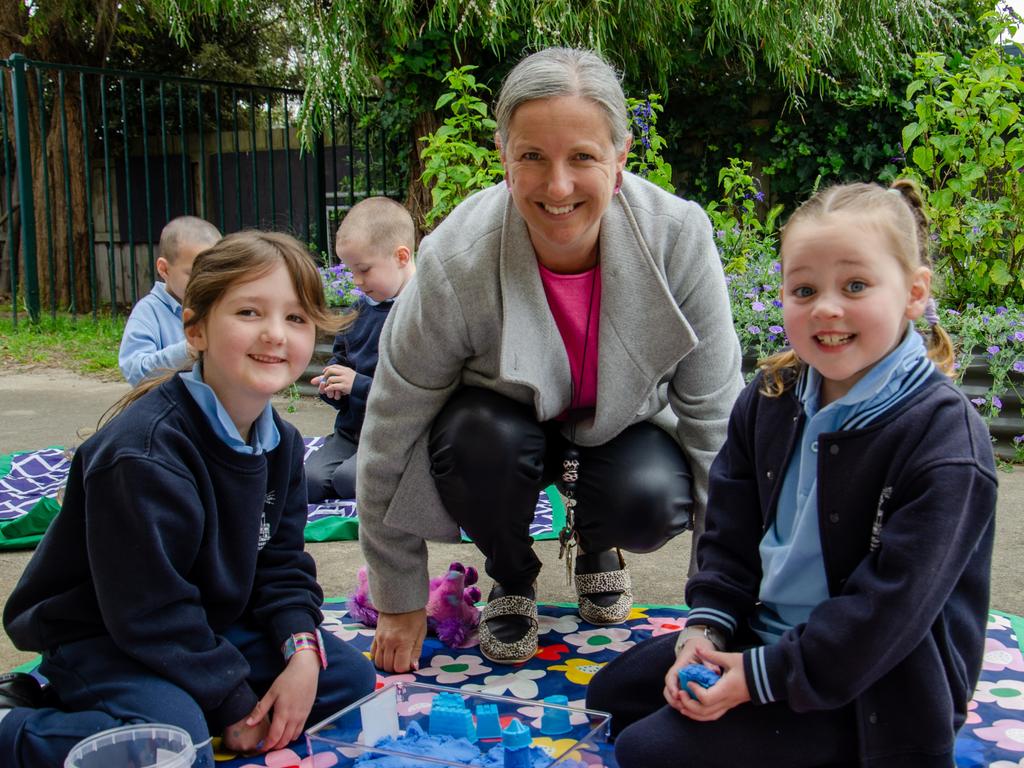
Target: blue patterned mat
(571, 652)
(31, 483)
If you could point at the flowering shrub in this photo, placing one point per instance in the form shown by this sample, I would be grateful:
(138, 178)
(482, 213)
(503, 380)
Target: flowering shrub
(740, 234)
(339, 288)
(993, 336)
(645, 154)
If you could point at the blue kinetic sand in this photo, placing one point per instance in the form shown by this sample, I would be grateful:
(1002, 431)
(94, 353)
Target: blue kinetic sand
(416, 742)
(698, 673)
(398, 726)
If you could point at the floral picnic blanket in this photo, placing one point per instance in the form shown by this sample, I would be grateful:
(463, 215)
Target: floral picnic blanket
(572, 651)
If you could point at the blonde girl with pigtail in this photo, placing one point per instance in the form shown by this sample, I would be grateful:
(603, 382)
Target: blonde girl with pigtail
(843, 582)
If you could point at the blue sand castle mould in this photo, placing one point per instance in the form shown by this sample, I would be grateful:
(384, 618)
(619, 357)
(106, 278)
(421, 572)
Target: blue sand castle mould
(487, 724)
(555, 722)
(516, 741)
(450, 717)
(698, 673)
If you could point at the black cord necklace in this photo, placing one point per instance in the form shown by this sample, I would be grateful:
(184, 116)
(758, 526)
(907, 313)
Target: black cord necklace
(568, 537)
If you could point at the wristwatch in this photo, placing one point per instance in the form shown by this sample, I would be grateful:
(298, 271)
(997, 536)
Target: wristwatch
(700, 630)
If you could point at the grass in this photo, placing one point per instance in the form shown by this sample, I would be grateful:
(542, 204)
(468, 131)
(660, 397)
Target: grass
(80, 345)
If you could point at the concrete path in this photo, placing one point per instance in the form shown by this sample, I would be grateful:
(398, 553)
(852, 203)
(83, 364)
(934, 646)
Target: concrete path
(45, 407)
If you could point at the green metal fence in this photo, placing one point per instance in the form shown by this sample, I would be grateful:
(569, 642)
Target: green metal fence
(95, 161)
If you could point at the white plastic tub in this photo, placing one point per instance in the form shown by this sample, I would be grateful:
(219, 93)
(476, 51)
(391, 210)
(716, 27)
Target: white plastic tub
(134, 746)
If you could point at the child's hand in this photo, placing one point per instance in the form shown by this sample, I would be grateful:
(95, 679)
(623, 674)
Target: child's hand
(727, 693)
(694, 652)
(245, 737)
(335, 381)
(290, 699)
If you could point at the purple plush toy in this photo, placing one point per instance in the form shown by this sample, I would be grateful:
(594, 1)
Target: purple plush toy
(451, 605)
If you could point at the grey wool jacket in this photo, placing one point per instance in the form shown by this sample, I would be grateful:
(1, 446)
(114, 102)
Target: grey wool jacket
(476, 315)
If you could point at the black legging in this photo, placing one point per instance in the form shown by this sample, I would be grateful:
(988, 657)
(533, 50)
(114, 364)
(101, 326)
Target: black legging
(490, 457)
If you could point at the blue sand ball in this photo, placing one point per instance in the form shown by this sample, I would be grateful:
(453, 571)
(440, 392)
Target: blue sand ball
(698, 673)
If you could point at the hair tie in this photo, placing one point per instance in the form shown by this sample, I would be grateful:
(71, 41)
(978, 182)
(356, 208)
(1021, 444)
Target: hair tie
(931, 313)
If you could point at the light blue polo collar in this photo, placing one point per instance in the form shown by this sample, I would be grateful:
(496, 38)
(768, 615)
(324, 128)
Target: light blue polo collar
(160, 292)
(264, 435)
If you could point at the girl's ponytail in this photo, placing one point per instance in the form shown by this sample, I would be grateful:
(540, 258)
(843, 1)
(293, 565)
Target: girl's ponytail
(940, 346)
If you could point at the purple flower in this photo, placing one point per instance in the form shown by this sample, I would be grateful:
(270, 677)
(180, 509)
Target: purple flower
(753, 329)
(1018, 335)
(979, 401)
(1001, 310)
(997, 402)
(776, 303)
(1019, 366)
(993, 350)
(776, 266)
(759, 196)
(1018, 439)
(719, 233)
(757, 306)
(775, 329)
(952, 312)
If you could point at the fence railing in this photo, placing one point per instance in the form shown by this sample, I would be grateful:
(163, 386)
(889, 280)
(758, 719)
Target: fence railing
(96, 161)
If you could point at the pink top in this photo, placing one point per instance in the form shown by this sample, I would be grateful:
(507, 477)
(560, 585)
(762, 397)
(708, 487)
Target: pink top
(575, 302)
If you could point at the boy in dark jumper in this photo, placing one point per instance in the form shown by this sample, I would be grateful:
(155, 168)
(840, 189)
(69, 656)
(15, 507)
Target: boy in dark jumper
(375, 241)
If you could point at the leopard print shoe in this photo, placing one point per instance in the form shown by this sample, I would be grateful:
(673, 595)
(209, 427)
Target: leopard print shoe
(603, 587)
(504, 651)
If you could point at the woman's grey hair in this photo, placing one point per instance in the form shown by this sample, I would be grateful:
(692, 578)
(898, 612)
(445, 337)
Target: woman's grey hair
(555, 72)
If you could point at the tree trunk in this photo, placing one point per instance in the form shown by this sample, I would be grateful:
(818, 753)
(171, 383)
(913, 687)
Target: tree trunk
(417, 200)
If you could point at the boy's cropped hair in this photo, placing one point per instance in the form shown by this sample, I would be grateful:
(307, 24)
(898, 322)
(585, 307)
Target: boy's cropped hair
(186, 229)
(379, 221)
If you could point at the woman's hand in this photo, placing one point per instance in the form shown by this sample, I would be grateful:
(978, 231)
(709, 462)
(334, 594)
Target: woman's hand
(335, 381)
(398, 641)
(711, 703)
(290, 699)
(243, 737)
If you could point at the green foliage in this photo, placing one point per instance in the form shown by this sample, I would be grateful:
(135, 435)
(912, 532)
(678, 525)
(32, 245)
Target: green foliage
(743, 237)
(645, 158)
(967, 146)
(78, 344)
(458, 159)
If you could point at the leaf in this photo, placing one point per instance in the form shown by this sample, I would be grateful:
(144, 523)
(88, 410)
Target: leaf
(999, 274)
(910, 132)
(444, 99)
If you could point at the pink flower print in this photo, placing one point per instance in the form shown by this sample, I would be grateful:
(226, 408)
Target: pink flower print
(1007, 734)
(449, 670)
(519, 684)
(561, 624)
(999, 657)
(663, 625)
(286, 758)
(383, 680)
(347, 631)
(416, 704)
(973, 718)
(537, 713)
(1008, 694)
(604, 639)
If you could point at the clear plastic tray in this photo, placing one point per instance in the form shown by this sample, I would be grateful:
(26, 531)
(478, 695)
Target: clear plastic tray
(347, 733)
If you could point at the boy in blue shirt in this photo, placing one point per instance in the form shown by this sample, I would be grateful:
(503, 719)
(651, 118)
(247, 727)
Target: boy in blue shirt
(375, 241)
(154, 338)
